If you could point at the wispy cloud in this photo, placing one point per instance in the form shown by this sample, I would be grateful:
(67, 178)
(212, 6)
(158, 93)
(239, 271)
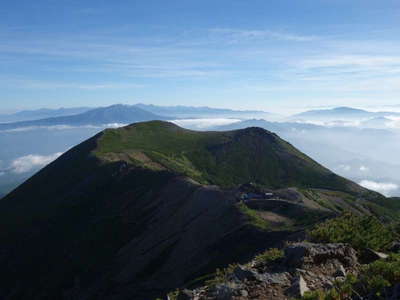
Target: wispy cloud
(386, 188)
(47, 84)
(368, 61)
(345, 168)
(394, 122)
(257, 62)
(31, 162)
(243, 34)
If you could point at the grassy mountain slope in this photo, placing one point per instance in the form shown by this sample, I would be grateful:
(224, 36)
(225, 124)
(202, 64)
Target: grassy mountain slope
(222, 158)
(135, 212)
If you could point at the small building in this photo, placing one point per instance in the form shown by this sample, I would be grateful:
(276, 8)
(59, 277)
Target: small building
(269, 195)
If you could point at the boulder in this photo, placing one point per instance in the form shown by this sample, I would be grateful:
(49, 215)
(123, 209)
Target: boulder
(299, 287)
(222, 292)
(273, 278)
(300, 255)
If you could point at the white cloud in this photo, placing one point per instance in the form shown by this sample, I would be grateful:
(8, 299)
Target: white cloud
(31, 162)
(204, 123)
(369, 61)
(394, 122)
(114, 125)
(335, 123)
(385, 188)
(364, 169)
(344, 168)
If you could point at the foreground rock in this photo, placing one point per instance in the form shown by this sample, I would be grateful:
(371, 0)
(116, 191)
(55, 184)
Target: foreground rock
(303, 267)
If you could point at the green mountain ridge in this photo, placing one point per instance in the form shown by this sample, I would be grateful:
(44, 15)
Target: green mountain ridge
(221, 158)
(136, 212)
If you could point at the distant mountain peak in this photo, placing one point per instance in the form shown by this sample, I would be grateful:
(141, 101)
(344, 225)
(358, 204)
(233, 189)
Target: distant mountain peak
(334, 113)
(117, 113)
(348, 109)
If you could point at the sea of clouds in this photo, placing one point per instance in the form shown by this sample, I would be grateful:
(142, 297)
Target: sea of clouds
(203, 124)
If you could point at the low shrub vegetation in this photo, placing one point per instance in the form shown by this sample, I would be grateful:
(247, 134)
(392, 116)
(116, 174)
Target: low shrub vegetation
(341, 290)
(221, 275)
(269, 256)
(379, 275)
(374, 282)
(359, 231)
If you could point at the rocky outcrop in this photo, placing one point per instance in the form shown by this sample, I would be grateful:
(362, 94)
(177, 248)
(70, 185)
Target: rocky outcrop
(303, 267)
(302, 255)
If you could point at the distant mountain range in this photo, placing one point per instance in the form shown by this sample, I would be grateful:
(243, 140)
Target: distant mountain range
(202, 112)
(121, 114)
(27, 115)
(135, 212)
(124, 114)
(377, 122)
(341, 113)
(271, 126)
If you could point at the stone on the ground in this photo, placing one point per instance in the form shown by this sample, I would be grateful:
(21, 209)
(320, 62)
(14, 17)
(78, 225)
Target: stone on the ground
(273, 278)
(222, 292)
(341, 272)
(300, 287)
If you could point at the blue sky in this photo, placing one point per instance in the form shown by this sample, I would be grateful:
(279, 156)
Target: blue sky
(248, 54)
